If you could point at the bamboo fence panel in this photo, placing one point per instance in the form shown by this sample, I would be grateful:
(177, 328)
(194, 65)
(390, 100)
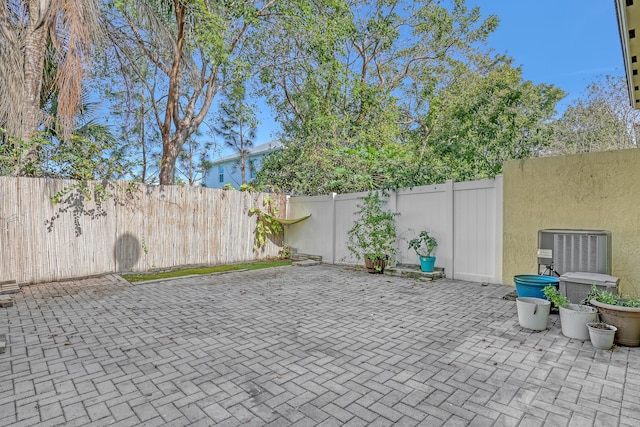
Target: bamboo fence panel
(136, 228)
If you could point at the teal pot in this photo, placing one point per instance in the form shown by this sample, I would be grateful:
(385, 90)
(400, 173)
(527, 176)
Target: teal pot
(427, 263)
(531, 285)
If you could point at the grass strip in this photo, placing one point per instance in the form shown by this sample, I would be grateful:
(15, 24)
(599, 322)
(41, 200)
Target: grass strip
(141, 277)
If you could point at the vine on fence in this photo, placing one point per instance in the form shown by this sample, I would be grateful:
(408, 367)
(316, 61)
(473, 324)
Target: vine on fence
(266, 224)
(74, 198)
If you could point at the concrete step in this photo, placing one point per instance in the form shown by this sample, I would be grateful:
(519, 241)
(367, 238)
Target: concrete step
(306, 263)
(295, 256)
(414, 272)
(9, 287)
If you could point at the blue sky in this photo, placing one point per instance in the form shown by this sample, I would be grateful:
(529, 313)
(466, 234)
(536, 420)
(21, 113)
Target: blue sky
(565, 43)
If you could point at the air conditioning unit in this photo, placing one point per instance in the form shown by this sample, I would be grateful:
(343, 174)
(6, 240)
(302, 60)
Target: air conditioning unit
(564, 251)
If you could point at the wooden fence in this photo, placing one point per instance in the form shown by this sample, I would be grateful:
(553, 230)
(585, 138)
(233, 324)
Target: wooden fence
(127, 228)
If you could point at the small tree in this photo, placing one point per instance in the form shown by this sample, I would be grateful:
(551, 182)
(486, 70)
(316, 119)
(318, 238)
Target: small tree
(193, 161)
(238, 124)
(600, 120)
(373, 235)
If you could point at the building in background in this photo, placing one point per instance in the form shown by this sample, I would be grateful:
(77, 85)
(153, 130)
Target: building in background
(226, 170)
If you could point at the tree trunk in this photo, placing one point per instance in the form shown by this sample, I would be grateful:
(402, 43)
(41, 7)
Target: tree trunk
(170, 151)
(171, 145)
(243, 159)
(35, 45)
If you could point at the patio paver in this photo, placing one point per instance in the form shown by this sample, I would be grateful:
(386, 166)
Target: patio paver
(321, 345)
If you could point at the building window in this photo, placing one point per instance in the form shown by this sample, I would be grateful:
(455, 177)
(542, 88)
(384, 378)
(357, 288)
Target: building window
(252, 169)
(221, 173)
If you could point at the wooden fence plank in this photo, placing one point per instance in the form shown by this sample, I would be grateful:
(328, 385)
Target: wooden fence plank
(136, 228)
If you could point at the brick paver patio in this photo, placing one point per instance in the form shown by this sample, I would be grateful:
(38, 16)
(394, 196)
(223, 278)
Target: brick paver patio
(320, 345)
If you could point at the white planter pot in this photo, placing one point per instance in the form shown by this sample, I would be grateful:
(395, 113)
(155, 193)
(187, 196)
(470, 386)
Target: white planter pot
(574, 319)
(602, 338)
(533, 313)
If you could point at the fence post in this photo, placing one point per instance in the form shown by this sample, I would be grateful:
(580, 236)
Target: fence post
(333, 228)
(499, 229)
(449, 264)
(392, 204)
(286, 207)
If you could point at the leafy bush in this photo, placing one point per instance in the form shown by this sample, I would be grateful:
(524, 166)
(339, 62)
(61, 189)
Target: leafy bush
(373, 234)
(607, 297)
(553, 295)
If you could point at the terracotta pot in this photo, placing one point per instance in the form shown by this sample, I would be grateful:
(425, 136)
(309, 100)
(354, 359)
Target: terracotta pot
(375, 266)
(626, 319)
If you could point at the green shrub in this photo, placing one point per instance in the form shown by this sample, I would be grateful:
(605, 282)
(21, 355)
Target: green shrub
(553, 295)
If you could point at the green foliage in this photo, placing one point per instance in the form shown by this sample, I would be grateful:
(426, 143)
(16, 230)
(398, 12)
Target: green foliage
(402, 99)
(631, 302)
(601, 119)
(607, 297)
(424, 244)
(228, 186)
(373, 234)
(88, 152)
(304, 169)
(487, 116)
(266, 224)
(553, 295)
(196, 49)
(370, 95)
(285, 252)
(12, 156)
(373, 94)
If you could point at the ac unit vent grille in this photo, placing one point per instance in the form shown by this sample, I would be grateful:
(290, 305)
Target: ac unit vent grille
(575, 250)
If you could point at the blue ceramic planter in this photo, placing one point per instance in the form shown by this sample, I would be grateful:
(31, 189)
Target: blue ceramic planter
(427, 263)
(531, 285)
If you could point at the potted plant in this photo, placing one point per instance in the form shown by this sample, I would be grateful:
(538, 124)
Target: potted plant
(602, 335)
(622, 313)
(424, 244)
(373, 235)
(573, 317)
